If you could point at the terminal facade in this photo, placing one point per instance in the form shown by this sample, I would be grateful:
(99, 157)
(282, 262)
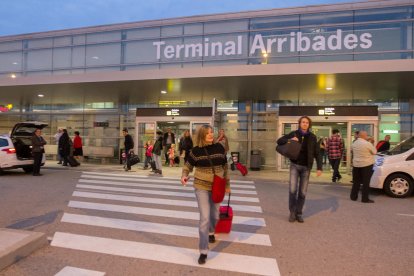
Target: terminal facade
(349, 66)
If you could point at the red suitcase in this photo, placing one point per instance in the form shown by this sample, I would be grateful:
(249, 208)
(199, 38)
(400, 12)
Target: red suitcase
(241, 168)
(225, 219)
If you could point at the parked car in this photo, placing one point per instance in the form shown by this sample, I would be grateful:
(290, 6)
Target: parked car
(16, 148)
(394, 170)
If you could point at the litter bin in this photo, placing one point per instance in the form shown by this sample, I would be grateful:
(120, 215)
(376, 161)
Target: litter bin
(255, 160)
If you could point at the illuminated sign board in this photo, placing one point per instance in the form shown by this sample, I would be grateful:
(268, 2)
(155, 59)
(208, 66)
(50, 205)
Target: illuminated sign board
(182, 111)
(326, 111)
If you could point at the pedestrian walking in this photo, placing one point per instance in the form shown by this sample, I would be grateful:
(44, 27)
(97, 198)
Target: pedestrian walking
(363, 161)
(300, 168)
(222, 139)
(65, 147)
(128, 147)
(57, 137)
(384, 145)
(77, 146)
(148, 154)
(168, 140)
(156, 153)
(335, 149)
(203, 157)
(186, 144)
(38, 150)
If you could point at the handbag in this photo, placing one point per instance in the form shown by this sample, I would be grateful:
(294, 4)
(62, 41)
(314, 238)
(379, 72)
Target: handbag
(290, 150)
(218, 188)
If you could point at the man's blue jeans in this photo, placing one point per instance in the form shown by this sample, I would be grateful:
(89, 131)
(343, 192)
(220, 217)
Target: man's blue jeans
(209, 215)
(298, 186)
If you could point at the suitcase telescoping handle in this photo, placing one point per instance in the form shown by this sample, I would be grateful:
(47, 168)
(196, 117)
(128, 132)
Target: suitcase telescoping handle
(228, 205)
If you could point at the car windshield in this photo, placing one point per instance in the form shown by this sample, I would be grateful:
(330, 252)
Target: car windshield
(401, 147)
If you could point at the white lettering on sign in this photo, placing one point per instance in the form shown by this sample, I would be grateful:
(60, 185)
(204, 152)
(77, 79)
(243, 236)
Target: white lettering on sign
(293, 42)
(173, 112)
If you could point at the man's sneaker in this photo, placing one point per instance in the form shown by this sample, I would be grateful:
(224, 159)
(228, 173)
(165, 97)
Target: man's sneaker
(292, 217)
(211, 238)
(202, 259)
(299, 218)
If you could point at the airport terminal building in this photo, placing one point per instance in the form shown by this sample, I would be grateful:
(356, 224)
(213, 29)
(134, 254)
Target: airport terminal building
(348, 66)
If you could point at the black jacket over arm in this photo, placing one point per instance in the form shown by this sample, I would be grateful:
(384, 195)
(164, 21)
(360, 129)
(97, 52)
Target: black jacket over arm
(128, 143)
(313, 147)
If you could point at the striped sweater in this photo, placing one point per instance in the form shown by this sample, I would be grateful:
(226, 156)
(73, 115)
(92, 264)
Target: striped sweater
(203, 175)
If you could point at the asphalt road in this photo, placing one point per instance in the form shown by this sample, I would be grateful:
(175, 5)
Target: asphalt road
(339, 236)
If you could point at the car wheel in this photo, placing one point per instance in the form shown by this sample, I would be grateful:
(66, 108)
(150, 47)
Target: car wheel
(398, 185)
(28, 169)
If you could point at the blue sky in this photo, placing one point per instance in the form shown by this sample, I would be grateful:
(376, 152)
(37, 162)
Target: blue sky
(28, 16)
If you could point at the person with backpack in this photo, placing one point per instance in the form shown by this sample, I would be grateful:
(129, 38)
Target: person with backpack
(384, 145)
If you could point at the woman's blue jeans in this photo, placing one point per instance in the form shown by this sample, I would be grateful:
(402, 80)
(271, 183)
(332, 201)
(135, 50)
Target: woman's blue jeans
(298, 186)
(209, 215)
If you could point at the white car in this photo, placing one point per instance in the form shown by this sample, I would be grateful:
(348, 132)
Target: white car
(394, 170)
(16, 149)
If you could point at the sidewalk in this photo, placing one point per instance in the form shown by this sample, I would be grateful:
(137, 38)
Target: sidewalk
(263, 175)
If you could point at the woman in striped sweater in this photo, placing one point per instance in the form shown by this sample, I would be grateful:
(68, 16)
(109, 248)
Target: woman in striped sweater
(199, 158)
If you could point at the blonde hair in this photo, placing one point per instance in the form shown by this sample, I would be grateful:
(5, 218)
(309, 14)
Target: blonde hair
(200, 137)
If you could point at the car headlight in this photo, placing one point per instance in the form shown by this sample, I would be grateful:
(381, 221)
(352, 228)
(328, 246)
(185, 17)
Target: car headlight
(379, 161)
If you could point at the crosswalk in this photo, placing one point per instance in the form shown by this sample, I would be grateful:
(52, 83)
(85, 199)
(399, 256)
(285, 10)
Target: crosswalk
(161, 206)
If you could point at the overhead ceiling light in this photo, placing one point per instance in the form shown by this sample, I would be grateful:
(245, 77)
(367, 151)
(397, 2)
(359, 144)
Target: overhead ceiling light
(40, 95)
(95, 57)
(163, 92)
(329, 88)
(13, 76)
(15, 63)
(370, 100)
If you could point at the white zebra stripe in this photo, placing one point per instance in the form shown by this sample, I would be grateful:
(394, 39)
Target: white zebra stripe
(169, 254)
(157, 192)
(72, 271)
(243, 208)
(151, 185)
(146, 176)
(159, 212)
(166, 229)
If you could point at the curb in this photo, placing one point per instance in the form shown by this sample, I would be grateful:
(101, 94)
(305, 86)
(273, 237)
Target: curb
(17, 244)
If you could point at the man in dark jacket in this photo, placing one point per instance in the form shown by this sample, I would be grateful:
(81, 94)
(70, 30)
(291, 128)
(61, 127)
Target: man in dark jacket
(384, 145)
(37, 150)
(300, 168)
(129, 146)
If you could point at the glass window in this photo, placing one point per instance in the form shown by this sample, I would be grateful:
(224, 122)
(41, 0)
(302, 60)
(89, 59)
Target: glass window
(10, 62)
(79, 39)
(171, 31)
(10, 46)
(396, 13)
(39, 59)
(78, 56)
(226, 26)
(40, 43)
(170, 50)
(62, 41)
(141, 51)
(326, 18)
(274, 43)
(274, 22)
(103, 37)
(3, 142)
(144, 33)
(193, 29)
(103, 54)
(384, 37)
(228, 46)
(62, 57)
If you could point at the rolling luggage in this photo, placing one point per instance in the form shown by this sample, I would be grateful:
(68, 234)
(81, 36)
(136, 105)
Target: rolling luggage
(241, 168)
(225, 218)
(73, 162)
